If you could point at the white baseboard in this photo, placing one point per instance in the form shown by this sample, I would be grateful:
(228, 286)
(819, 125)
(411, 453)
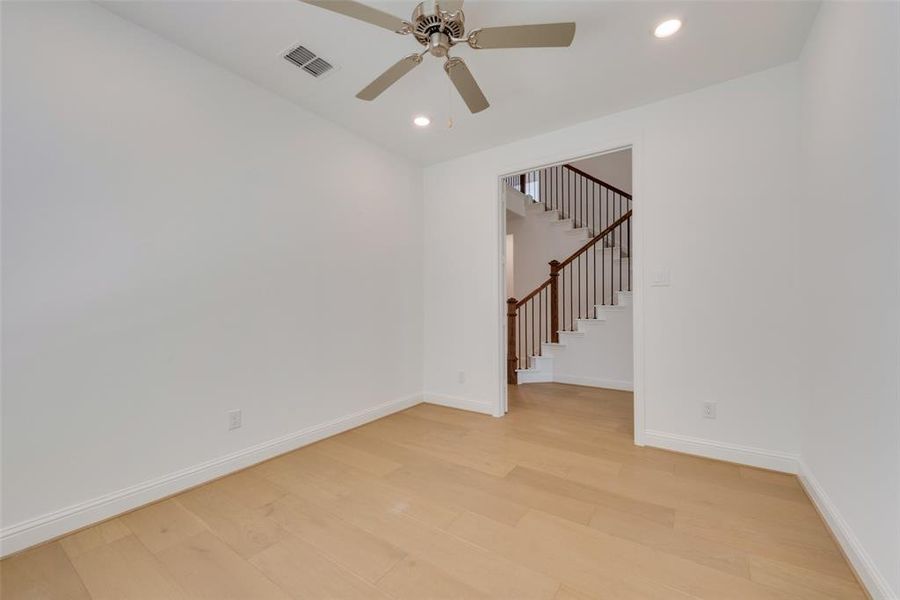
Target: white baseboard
(460, 403)
(745, 455)
(51, 525)
(610, 384)
(876, 584)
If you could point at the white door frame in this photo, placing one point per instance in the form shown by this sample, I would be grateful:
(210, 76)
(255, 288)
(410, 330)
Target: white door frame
(637, 249)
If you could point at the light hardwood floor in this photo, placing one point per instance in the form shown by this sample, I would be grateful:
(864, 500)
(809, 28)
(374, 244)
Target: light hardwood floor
(552, 501)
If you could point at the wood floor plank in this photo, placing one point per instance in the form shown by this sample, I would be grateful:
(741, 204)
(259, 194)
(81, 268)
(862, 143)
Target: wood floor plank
(125, 569)
(163, 524)
(802, 583)
(480, 569)
(568, 593)
(340, 479)
(762, 539)
(595, 558)
(440, 441)
(355, 549)
(554, 501)
(247, 531)
(303, 572)
(415, 579)
(647, 510)
(205, 567)
(249, 488)
(432, 477)
(42, 573)
(665, 539)
(783, 479)
(366, 461)
(601, 575)
(94, 537)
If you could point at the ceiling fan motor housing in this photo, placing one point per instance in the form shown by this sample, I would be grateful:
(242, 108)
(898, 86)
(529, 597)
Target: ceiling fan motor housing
(435, 28)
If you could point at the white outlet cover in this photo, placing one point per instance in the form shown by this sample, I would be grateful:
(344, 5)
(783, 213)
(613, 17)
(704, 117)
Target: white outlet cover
(234, 419)
(709, 410)
(661, 278)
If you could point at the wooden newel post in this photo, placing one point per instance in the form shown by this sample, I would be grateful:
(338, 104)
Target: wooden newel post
(554, 301)
(512, 361)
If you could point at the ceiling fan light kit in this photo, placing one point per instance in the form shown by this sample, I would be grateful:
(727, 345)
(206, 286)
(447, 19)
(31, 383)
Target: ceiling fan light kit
(439, 25)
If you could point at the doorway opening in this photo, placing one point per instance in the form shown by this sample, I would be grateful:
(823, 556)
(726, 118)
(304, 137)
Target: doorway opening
(568, 276)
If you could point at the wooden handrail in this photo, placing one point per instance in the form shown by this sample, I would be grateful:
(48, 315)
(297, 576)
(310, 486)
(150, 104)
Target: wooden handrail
(596, 239)
(539, 317)
(595, 180)
(536, 291)
(552, 282)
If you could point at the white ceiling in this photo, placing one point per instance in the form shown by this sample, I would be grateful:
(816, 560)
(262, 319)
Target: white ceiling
(614, 64)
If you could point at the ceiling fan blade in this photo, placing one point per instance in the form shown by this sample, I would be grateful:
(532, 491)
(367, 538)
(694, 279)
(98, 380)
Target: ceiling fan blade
(465, 84)
(451, 6)
(547, 35)
(362, 12)
(389, 77)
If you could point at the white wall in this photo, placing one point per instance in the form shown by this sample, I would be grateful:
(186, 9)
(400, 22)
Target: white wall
(601, 353)
(714, 169)
(613, 167)
(849, 280)
(177, 243)
(538, 240)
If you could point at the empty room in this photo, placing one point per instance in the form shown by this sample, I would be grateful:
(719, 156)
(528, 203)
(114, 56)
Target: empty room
(537, 299)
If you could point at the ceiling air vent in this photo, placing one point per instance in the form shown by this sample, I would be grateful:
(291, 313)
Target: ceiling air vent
(317, 66)
(308, 61)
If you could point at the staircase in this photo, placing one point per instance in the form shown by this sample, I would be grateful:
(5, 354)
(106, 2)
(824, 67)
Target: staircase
(579, 318)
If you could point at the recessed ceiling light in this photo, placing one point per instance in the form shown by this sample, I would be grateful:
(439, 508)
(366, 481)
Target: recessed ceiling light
(667, 28)
(422, 121)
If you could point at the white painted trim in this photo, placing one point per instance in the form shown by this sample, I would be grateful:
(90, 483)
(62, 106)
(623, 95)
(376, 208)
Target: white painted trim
(502, 405)
(745, 455)
(479, 406)
(609, 384)
(51, 525)
(632, 138)
(637, 285)
(875, 583)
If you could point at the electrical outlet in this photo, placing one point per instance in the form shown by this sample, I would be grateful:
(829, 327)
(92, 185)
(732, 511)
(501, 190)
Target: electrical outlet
(461, 377)
(709, 410)
(661, 278)
(234, 419)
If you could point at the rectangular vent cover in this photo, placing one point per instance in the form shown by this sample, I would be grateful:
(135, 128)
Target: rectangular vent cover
(317, 66)
(308, 61)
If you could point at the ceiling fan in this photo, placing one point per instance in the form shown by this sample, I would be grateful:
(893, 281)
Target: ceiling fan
(439, 25)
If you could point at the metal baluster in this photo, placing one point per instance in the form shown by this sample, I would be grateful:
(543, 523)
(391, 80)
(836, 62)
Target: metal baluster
(525, 340)
(579, 286)
(619, 230)
(531, 330)
(547, 312)
(584, 199)
(594, 247)
(629, 253)
(573, 208)
(612, 273)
